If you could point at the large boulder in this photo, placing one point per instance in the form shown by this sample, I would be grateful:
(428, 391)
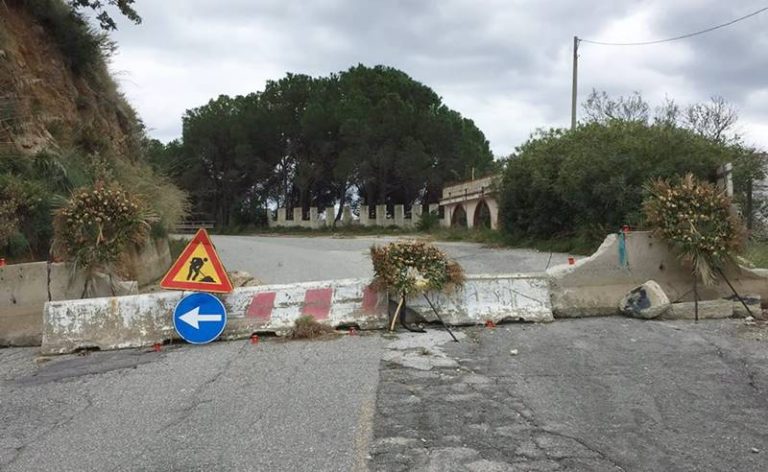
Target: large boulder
(648, 301)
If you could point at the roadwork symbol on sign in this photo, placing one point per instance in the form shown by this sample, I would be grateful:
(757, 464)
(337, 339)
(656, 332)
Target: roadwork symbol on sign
(199, 318)
(198, 268)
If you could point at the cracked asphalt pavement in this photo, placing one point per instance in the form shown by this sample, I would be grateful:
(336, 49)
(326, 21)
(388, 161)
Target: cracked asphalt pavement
(603, 394)
(273, 406)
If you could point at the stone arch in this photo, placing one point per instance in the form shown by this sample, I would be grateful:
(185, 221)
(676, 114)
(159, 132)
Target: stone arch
(459, 217)
(482, 217)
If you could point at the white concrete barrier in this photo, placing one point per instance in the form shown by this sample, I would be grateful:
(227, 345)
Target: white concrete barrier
(25, 288)
(596, 284)
(142, 320)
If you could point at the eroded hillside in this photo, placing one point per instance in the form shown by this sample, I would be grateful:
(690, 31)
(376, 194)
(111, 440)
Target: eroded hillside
(64, 125)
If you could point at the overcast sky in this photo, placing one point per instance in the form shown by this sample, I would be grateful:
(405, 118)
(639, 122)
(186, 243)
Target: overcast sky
(506, 64)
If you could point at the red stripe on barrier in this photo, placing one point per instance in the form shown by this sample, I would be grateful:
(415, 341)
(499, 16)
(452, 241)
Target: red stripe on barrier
(317, 303)
(370, 300)
(261, 305)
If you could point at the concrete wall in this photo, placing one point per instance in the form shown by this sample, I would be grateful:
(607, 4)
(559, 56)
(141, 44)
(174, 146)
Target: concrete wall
(315, 219)
(25, 288)
(595, 285)
(142, 320)
(150, 263)
(324, 219)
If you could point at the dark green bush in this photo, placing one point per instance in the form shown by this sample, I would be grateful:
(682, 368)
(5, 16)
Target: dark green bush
(428, 221)
(18, 246)
(588, 182)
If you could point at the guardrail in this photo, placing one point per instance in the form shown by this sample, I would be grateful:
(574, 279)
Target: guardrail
(193, 226)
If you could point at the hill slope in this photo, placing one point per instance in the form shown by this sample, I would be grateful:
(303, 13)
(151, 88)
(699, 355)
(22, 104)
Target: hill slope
(63, 124)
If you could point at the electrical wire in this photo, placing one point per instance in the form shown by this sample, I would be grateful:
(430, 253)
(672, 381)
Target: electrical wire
(676, 38)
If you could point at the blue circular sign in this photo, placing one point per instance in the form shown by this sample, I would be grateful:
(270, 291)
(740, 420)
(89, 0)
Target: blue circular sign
(199, 318)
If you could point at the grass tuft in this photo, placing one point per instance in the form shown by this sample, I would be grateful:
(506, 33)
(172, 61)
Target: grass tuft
(307, 327)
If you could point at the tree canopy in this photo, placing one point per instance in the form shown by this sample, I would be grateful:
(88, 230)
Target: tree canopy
(368, 134)
(583, 183)
(589, 181)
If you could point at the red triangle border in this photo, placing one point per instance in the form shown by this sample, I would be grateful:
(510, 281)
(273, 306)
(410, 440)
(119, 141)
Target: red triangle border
(201, 237)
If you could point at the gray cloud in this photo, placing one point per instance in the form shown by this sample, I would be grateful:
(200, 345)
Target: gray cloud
(505, 64)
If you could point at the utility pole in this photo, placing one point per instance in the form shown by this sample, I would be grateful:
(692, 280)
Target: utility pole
(575, 80)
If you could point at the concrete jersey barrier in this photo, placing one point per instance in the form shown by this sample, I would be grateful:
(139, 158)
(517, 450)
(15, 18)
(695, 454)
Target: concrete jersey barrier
(595, 285)
(142, 320)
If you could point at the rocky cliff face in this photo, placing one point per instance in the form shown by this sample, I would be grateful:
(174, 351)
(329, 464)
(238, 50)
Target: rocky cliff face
(46, 102)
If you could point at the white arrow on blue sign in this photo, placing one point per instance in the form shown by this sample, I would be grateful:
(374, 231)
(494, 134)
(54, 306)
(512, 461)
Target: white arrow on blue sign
(199, 318)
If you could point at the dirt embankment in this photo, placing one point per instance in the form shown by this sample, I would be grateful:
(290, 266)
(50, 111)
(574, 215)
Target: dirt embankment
(45, 104)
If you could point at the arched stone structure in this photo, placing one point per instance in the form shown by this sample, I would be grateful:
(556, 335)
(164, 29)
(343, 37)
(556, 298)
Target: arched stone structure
(482, 218)
(459, 217)
(477, 198)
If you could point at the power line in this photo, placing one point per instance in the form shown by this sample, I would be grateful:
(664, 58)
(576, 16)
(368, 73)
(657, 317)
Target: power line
(684, 36)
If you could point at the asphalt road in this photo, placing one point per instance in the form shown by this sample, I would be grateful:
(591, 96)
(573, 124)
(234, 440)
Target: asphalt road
(274, 406)
(605, 394)
(296, 259)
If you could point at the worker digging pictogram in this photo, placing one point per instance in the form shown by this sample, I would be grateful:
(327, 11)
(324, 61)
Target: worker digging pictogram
(198, 268)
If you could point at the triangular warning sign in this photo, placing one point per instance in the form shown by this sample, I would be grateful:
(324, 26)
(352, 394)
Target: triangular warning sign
(198, 268)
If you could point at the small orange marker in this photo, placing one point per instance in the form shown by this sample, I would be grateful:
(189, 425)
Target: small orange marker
(571, 260)
(157, 347)
(254, 339)
(490, 324)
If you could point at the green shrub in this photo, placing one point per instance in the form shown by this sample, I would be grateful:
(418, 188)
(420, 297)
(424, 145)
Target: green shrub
(24, 210)
(18, 246)
(98, 224)
(428, 222)
(589, 181)
(166, 200)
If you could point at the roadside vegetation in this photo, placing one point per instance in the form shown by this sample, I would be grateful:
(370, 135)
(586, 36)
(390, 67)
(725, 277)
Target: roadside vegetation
(756, 253)
(82, 138)
(569, 188)
(368, 135)
(696, 221)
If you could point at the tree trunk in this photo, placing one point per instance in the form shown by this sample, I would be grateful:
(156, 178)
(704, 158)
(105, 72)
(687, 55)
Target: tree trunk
(340, 213)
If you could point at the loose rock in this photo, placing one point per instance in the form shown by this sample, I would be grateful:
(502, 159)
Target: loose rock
(243, 279)
(648, 301)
